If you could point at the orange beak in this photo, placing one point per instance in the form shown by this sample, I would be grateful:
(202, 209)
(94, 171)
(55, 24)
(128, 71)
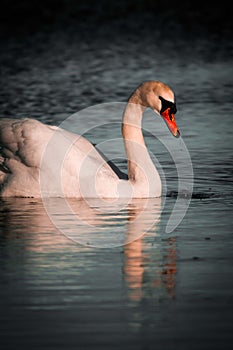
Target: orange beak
(171, 122)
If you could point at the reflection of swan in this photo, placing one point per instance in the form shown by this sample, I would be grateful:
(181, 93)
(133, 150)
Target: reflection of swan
(70, 166)
(148, 266)
(103, 224)
(142, 276)
(90, 224)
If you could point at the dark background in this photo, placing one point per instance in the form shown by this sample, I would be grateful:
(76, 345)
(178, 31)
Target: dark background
(173, 18)
(59, 56)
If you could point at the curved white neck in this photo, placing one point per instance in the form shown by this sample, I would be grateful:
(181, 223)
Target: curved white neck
(141, 170)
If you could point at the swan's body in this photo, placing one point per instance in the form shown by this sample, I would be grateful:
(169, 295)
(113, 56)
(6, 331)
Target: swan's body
(39, 160)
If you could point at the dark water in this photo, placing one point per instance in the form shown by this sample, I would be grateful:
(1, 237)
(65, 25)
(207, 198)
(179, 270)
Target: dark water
(163, 290)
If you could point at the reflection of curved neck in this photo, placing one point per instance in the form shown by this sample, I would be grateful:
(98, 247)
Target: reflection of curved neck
(140, 166)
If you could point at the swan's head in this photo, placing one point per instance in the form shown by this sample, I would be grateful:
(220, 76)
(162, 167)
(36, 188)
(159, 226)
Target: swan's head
(160, 98)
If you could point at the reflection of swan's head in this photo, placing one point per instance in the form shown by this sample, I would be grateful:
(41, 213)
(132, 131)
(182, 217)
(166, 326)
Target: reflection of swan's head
(160, 98)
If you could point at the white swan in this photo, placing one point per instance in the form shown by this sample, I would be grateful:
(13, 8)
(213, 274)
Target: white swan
(39, 160)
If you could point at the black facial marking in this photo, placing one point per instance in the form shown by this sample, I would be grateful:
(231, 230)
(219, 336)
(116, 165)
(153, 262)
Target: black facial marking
(168, 104)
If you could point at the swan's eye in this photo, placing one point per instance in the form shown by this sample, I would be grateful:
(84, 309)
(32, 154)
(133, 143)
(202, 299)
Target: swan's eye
(168, 105)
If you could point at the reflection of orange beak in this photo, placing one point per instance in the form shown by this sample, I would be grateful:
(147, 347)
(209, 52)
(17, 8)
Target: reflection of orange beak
(171, 122)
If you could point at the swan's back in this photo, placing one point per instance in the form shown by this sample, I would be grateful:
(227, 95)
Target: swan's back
(29, 149)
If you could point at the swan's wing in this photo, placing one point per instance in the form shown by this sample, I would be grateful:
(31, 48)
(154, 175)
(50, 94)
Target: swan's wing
(114, 167)
(21, 146)
(3, 167)
(22, 140)
(29, 149)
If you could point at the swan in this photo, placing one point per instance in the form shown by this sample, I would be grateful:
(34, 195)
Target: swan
(39, 160)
